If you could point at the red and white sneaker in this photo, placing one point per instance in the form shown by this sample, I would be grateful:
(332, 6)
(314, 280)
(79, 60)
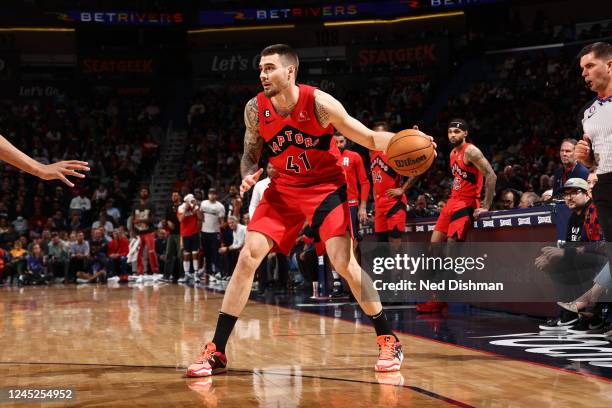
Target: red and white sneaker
(209, 362)
(390, 355)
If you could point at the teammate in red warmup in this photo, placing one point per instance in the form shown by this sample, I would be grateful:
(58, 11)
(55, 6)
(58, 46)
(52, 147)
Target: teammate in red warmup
(469, 168)
(358, 189)
(296, 124)
(390, 204)
(358, 185)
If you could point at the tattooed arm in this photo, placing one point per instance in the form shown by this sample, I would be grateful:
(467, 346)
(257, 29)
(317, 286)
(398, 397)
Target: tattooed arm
(253, 142)
(329, 111)
(474, 156)
(253, 145)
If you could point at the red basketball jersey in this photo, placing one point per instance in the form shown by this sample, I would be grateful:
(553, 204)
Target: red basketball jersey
(355, 177)
(303, 152)
(467, 179)
(189, 226)
(383, 176)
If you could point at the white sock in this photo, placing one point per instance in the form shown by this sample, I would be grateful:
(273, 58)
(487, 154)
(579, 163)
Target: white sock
(195, 264)
(336, 275)
(186, 266)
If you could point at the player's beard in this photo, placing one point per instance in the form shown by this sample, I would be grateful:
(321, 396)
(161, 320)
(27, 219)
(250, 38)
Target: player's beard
(456, 142)
(271, 92)
(342, 149)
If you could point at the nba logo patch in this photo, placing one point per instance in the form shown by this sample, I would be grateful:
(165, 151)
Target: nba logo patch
(591, 111)
(303, 116)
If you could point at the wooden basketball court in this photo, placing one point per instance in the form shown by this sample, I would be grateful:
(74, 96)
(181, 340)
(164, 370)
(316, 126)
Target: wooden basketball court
(128, 346)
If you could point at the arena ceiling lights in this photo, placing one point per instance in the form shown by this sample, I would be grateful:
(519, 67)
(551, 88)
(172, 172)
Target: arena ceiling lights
(243, 28)
(36, 29)
(395, 20)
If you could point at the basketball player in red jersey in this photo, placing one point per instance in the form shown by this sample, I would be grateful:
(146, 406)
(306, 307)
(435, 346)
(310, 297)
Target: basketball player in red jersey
(296, 123)
(358, 189)
(389, 197)
(358, 185)
(53, 171)
(469, 167)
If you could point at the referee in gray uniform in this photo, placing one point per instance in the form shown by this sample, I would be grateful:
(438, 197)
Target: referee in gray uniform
(595, 150)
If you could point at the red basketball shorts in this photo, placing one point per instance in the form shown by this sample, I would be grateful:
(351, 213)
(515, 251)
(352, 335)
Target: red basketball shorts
(282, 211)
(456, 217)
(390, 216)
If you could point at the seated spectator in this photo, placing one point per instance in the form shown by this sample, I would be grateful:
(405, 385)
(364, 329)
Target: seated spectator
(79, 202)
(230, 253)
(420, 208)
(117, 252)
(98, 246)
(508, 199)
(58, 257)
(36, 272)
(37, 221)
(103, 222)
(79, 256)
(509, 179)
(76, 221)
(547, 195)
(112, 211)
(18, 263)
(20, 224)
(528, 199)
(59, 221)
(99, 196)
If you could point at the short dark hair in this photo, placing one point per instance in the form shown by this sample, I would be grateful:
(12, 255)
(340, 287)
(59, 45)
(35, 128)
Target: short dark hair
(570, 140)
(287, 54)
(599, 50)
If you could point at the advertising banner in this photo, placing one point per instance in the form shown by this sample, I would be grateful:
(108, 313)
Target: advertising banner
(333, 11)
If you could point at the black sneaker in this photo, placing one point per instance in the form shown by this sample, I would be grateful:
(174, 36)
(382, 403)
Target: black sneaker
(561, 323)
(587, 325)
(580, 327)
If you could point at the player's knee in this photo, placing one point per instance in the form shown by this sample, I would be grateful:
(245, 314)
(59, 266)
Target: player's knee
(249, 258)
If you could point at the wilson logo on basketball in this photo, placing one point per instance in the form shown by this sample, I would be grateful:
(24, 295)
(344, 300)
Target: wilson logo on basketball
(409, 162)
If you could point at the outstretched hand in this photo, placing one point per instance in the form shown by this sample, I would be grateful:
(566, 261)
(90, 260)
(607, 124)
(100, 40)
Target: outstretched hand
(59, 171)
(249, 181)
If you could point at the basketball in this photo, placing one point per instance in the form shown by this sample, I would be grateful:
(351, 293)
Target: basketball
(410, 152)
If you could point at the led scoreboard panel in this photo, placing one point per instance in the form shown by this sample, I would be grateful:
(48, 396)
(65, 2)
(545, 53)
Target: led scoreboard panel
(333, 11)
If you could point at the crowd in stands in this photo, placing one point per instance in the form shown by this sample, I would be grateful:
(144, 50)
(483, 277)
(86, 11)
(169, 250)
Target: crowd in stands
(49, 231)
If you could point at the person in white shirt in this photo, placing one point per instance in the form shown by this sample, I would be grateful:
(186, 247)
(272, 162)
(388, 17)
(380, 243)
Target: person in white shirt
(214, 215)
(283, 267)
(104, 222)
(259, 189)
(230, 253)
(80, 202)
(111, 210)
